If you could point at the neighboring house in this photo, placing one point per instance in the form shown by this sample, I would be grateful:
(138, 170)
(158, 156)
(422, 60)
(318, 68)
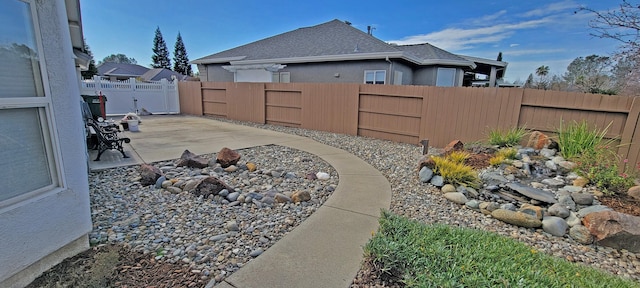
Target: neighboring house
(124, 71)
(337, 52)
(44, 200)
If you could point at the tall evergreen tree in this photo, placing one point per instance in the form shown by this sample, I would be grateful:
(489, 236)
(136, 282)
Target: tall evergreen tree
(499, 56)
(160, 58)
(180, 58)
(92, 69)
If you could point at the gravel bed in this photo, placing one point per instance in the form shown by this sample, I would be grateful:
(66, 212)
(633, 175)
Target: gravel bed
(411, 198)
(212, 236)
(181, 228)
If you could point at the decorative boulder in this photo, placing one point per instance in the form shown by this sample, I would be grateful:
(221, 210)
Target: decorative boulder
(455, 145)
(192, 160)
(425, 174)
(555, 226)
(227, 157)
(538, 140)
(456, 197)
(581, 234)
(149, 174)
(614, 229)
(300, 196)
(210, 186)
(634, 192)
(426, 161)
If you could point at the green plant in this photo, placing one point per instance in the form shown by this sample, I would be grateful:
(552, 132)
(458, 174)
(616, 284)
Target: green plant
(601, 166)
(497, 160)
(455, 173)
(507, 153)
(420, 255)
(576, 139)
(458, 156)
(506, 138)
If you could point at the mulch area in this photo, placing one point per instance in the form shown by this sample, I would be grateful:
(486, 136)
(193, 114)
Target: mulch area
(117, 266)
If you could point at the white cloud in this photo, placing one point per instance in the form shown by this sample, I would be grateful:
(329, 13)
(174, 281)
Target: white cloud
(514, 45)
(489, 18)
(551, 8)
(532, 51)
(460, 39)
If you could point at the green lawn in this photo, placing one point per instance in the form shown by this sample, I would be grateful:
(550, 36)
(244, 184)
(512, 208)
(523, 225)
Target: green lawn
(444, 256)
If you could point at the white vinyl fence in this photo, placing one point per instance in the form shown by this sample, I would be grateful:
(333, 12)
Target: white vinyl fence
(131, 96)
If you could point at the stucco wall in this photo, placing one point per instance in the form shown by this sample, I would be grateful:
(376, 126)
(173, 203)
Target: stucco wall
(407, 73)
(40, 226)
(349, 71)
(216, 73)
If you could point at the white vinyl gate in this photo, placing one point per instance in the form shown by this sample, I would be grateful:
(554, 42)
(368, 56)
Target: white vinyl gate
(131, 95)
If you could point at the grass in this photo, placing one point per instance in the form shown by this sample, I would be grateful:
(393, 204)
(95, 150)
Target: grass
(576, 139)
(506, 138)
(443, 256)
(454, 172)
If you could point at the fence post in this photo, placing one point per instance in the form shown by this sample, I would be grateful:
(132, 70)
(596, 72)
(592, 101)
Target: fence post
(96, 84)
(165, 93)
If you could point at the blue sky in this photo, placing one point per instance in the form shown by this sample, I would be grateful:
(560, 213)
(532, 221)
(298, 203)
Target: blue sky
(528, 33)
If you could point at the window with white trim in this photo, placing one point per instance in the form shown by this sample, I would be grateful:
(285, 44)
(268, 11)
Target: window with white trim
(446, 77)
(375, 76)
(281, 77)
(28, 164)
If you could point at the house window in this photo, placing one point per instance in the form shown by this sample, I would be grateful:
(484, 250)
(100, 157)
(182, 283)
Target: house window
(375, 76)
(446, 77)
(28, 162)
(281, 77)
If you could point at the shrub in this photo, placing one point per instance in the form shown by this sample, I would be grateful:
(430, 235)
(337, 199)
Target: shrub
(455, 173)
(496, 160)
(507, 153)
(576, 139)
(600, 166)
(458, 156)
(506, 138)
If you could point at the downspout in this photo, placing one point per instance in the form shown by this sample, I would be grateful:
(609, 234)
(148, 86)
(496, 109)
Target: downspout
(390, 68)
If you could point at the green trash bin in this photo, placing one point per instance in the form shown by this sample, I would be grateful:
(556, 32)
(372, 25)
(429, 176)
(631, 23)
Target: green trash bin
(94, 104)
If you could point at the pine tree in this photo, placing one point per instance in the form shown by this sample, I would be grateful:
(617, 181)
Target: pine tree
(180, 58)
(499, 56)
(92, 69)
(160, 56)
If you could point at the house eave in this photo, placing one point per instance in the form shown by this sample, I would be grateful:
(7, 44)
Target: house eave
(217, 60)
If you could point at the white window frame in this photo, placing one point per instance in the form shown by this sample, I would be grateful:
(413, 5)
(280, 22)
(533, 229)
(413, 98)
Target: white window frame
(453, 79)
(43, 104)
(375, 72)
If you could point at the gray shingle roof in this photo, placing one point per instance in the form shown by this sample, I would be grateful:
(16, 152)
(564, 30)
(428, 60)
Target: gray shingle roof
(330, 41)
(158, 74)
(121, 69)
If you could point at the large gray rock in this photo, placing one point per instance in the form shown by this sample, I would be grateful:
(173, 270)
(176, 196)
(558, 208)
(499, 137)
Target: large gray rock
(210, 186)
(493, 178)
(425, 174)
(192, 160)
(437, 181)
(555, 226)
(573, 219)
(558, 210)
(567, 201)
(516, 218)
(149, 174)
(614, 229)
(533, 193)
(582, 198)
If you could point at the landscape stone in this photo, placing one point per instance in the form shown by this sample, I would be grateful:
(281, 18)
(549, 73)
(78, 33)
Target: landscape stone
(558, 210)
(493, 178)
(592, 209)
(256, 253)
(149, 174)
(548, 153)
(189, 159)
(455, 145)
(281, 198)
(634, 192)
(538, 140)
(580, 181)
(516, 218)
(508, 206)
(456, 197)
(425, 174)
(473, 204)
(533, 193)
(210, 186)
(614, 229)
(567, 202)
(582, 198)
(227, 157)
(472, 192)
(251, 166)
(233, 196)
(555, 226)
(567, 165)
(448, 188)
(571, 188)
(488, 207)
(553, 182)
(160, 181)
(581, 234)
(232, 226)
(551, 165)
(573, 220)
(532, 210)
(437, 181)
(300, 196)
(323, 176)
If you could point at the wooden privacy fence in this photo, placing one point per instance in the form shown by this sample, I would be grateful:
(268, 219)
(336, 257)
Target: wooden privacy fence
(411, 113)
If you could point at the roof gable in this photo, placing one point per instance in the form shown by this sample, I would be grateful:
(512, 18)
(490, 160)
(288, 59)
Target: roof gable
(428, 51)
(121, 69)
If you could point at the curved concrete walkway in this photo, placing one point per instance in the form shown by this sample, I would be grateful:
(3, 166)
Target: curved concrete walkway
(323, 251)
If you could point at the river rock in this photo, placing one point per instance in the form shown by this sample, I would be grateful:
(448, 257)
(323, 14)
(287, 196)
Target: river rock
(448, 188)
(555, 226)
(189, 159)
(533, 193)
(227, 157)
(582, 198)
(516, 218)
(573, 220)
(456, 197)
(437, 181)
(581, 234)
(532, 210)
(149, 174)
(300, 196)
(455, 145)
(558, 210)
(592, 209)
(634, 192)
(210, 186)
(425, 174)
(487, 207)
